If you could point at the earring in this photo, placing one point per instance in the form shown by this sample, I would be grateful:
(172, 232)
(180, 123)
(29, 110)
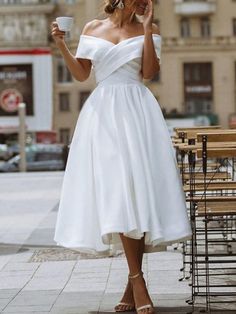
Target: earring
(121, 5)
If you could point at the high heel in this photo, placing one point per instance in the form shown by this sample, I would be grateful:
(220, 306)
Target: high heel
(124, 307)
(149, 307)
(127, 307)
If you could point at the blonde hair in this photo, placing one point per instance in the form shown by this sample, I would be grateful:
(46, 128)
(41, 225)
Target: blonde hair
(109, 6)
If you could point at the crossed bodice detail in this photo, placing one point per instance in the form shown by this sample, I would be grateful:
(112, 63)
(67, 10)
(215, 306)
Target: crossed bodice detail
(114, 63)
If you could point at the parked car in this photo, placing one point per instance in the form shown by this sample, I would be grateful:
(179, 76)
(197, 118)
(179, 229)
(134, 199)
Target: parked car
(4, 153)
(39, 157)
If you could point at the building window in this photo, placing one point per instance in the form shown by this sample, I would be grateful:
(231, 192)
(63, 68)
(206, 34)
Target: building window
(198, 87)
(70, 1)
(185, 28)
(235, 82)
(64, 102)
(82, 98)
(156, 78)
(205, 27)
(234, 26)
(64, 136)
(63, 74)
(157, 22)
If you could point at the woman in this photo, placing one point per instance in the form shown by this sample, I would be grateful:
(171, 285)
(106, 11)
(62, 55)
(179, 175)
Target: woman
(122, 183)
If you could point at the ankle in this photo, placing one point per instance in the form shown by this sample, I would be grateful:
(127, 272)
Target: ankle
(135, 275)
(137, 279)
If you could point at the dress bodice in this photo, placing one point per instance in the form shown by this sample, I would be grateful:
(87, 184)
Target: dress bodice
(115, 63)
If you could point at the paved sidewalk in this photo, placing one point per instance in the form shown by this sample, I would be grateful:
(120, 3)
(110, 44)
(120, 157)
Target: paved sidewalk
(38, 277)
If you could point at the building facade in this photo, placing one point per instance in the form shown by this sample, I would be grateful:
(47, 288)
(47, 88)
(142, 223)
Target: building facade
(198, 70)
(25, 64)
(69, 94)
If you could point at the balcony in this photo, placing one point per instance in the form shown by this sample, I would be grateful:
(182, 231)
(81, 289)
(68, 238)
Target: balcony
(26, 6)
(195, 7)
(24, 2)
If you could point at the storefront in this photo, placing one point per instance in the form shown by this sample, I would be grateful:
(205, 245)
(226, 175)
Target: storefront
(26, 76)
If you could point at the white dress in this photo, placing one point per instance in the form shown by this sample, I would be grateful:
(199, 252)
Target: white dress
(121, 173)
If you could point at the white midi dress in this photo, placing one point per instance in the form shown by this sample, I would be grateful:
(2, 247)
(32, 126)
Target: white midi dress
(121, 174)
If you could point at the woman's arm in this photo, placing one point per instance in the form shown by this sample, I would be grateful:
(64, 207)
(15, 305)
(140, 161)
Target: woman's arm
(150, 61)
(79, 68)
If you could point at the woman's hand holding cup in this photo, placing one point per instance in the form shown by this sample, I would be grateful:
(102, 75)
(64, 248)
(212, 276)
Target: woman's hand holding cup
(59, 28)
(57, 34)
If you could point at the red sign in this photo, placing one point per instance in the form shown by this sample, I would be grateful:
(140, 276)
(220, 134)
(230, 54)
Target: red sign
(16, 85)
(10, 100)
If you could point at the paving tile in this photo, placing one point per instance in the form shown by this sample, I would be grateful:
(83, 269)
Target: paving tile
(15, 273)
(74, 299)
(35, 298)
(14, 282)
(18, 266)
(29, 311)
(165, 265)
(8, 293)
(46, 283)
(54, 269)
(26, 309)
(4, 303)
(75, 285)
(4, 259)
(22, 256)
(90, 276)
(76, 310)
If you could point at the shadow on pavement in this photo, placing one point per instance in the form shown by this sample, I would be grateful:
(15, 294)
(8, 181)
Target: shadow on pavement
(9, 249)
(172, 310)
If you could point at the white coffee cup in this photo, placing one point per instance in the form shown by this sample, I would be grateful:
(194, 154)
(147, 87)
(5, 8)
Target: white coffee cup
(64, 23)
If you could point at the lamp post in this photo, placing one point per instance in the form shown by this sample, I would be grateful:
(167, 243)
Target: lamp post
(21, 137)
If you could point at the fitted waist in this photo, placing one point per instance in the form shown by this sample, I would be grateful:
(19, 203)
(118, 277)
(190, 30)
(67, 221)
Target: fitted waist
(121, 78)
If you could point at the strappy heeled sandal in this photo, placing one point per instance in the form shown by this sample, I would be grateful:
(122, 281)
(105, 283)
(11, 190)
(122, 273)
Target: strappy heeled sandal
(124, 307)
(127, 307)
(149, 307)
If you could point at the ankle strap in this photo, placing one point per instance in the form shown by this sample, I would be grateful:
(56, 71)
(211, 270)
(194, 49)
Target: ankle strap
(136, 275)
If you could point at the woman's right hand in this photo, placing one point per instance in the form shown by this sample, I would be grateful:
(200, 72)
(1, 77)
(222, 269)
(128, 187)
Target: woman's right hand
(57, 35)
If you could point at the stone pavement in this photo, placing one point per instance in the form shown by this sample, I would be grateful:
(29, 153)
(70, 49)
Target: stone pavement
(38, 277)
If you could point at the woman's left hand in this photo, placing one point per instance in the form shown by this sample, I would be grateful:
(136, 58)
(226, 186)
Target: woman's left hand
(148, 16)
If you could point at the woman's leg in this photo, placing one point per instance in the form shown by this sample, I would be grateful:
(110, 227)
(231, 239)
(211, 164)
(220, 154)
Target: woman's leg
(134, 252)
(128, 297)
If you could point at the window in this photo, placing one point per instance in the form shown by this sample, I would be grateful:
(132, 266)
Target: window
(235, 82)
(198, 87)
(198, 72)
(157, 22)
(234, 26)
(156, 78)
(64, 136)
(185, 28)
(64, 102)
(70, 1)
(82, 98)
(205, 27)
(63, 74)
(47, 156)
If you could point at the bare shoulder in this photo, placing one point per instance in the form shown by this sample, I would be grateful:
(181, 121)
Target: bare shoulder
(155, 29)
(91, 26)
